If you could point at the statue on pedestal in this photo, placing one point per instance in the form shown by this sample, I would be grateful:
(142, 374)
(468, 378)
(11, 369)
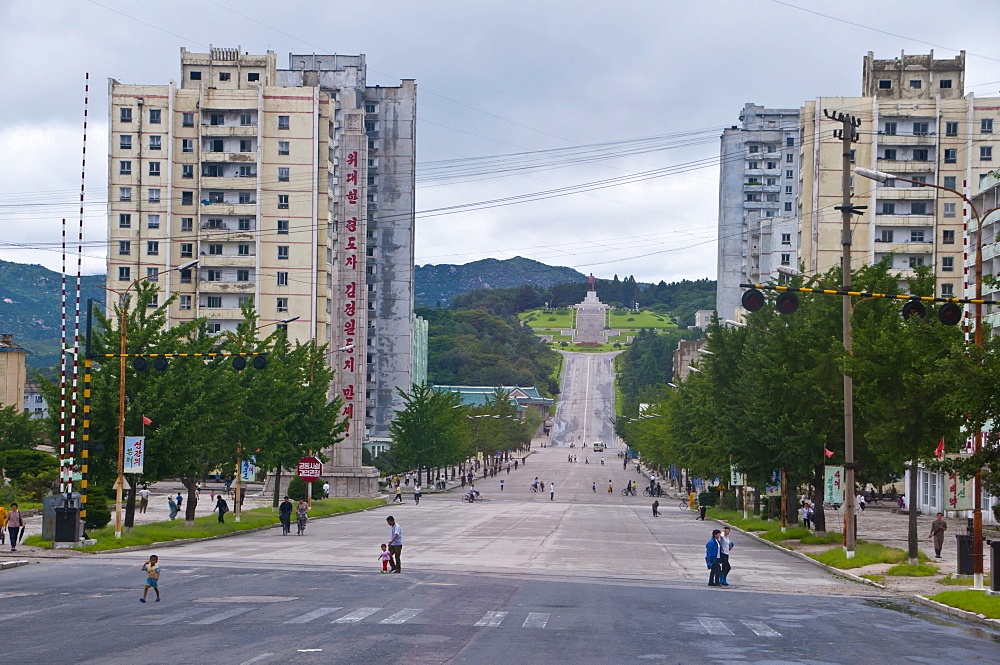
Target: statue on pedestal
(590, 281)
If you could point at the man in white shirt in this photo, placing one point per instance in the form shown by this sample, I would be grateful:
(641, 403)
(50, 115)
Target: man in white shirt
(726, 545)
(143, 499)
(326, 490)
(395, 544)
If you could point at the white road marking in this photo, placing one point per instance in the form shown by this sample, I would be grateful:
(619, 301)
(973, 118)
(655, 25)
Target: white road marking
(536, 620)
(761, 628)
(257, 659)
(176, 616)
(357, 615)
(315, 614)
(492, 619)
(402, 616)
(222, 616)
(715, 627)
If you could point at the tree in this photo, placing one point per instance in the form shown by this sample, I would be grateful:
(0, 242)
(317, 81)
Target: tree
(430, 430)
(18, 430)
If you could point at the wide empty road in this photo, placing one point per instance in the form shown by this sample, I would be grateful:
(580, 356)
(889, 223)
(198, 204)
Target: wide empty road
(586, 407)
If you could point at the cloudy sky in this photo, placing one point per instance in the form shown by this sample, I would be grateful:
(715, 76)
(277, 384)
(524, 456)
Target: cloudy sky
(634, 91)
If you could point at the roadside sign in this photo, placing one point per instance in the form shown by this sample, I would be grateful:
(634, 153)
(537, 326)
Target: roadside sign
(135, 454)
(736, 479)
(773, 486)
(310, 469)
(833, 485)
(248, 469)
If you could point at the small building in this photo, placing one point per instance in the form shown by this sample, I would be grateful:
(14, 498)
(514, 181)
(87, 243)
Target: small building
(13, 371)
(524, 398)
(686, 355)
(34, 401)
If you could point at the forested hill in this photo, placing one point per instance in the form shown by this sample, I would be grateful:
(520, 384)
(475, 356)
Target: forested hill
(438, 284)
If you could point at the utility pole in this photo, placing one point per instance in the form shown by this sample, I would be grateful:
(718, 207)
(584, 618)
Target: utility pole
(848, 135)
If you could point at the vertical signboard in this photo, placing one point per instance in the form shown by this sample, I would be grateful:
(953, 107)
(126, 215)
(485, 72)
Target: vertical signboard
(833, 485)
(773, 486)
(248, 469)
(135, 454)
(736, 479)
(958, 493)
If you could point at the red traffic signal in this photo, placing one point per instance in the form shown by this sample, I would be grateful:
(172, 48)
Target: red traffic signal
(787, 303)
(949, 314)
(914, 308)
(752, 300)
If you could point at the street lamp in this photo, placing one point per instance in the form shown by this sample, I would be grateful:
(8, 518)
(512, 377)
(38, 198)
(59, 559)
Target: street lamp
(977, 512)
(123, 324)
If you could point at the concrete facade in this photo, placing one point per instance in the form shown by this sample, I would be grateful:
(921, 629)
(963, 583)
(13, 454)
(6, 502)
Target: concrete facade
(13, 372)
(988, 199)
(34, 401)
(293, 188)
(758, 187)
(686, 355)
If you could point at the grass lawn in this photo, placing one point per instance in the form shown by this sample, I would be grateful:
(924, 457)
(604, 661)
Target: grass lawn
(158, 532)
(875, 578)
(556, 332)
(906, 570)
(600, 348)
(549, 319)
(973, 601)
(961, 580)
(645, 319)
(865, 554)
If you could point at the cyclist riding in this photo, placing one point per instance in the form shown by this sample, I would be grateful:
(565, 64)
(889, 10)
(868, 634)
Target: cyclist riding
(302, 515)
(285, 516)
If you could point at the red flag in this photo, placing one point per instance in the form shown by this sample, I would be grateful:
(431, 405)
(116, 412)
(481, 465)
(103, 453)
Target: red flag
(939, 453)
(146, 421)
(828, 453)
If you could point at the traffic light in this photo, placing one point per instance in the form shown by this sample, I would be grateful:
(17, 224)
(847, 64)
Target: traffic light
(949, 314)
(752, 300)
(161, 364)
(140, 364)
(787, 303)
(914, 308)
(259, 362)
(239, 363)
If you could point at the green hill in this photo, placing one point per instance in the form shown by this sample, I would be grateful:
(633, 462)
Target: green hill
(440, 283)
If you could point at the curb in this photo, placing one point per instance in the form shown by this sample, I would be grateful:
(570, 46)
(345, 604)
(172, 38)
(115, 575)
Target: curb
(184, 541)
(13, 564)
(956, 612)
(830, 569)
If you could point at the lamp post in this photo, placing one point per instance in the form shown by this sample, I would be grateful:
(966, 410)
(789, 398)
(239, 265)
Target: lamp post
(977, 512)
(123, 325)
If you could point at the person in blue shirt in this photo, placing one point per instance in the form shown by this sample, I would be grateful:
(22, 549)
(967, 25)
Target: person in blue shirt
(713, 558)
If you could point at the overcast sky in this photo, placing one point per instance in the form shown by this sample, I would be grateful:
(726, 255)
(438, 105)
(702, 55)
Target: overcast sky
(493, 78)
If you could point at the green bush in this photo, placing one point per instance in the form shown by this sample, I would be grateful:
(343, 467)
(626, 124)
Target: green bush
(36, 486)
(18, 462)
(728, 501)
(297, 489)
(710, 498)
(98, 512)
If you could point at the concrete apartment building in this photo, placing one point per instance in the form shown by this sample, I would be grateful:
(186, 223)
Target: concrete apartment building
(917, 122)
(758, 187)
(293, 188)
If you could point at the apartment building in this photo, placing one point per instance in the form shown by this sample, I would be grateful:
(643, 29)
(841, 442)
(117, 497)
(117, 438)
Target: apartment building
(758, 188)
(292, 189)
(917, 122)
(987, 204)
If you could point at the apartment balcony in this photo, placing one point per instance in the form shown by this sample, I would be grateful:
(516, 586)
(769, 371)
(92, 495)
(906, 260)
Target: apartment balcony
(217, 313)
(235, 182)
(903, 220)
(902, 247)
(905, 166)
(204, 286)
(211, 234)
(929, 138)
(774, 189)
(906, 193)
(229, 130)
(208, 261)
(241, 157)
(238, 209)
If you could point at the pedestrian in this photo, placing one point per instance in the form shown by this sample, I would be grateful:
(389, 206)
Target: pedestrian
(399, 494)
(938, 527)
(416, 493)
(143, 499)
(229, 482)
(197, 489)
(180, 501)
(15, 526)
(656, 508)
(3, 524)
(222, 507)
(552, 491)
(609, 486)
(395, 544)
(594, 487)
(515, 465)
(211, 494)
(861, 501)
(508, 468)
(725, 547)
(152, 570)
(384, 558)
(807, 513)
(501, 484)
(172, 505)
(406, 479)
(713, 558)
(463, 480)
(702, 509)
(326, 489)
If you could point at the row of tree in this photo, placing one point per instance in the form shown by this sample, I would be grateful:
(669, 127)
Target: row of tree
(770, 395)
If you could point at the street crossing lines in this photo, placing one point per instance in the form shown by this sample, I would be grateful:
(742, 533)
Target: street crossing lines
(315, 614)
(536, 620)
(715, 627)
(176, 616)
(491, 619)
(222, 616)
(402, 616)
(761, 628)
(357, 615)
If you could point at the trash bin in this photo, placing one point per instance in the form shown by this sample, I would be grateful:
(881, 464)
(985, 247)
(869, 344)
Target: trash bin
(965, 564)
(994, 565)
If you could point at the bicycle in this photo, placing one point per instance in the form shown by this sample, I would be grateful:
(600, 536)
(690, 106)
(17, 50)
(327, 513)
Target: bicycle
(286, 526)
(628, 490)
(684, 505)
(471, 498)
(301, 519)
(534, 488)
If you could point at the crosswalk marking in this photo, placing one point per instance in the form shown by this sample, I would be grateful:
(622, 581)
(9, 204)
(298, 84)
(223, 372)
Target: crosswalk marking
(715, 627)
(402, 616)
(492, 619)
(761, 628)
(222, 616)
(176, 616)
(536, 620)
(315, 614)
(357, 615)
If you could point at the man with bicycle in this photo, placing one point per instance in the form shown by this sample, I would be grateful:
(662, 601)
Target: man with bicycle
(285, 515)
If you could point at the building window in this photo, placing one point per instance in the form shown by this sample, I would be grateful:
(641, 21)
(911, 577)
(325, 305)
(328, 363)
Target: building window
(951, 129)
(947, 291)
(885, 84)
(918, 180)
(215, 249)
(950, 155)
(246, 145)
(253, 76)
(786, 259)
(768, 181)
(246, 172)
(152, 274)
(945, 83)
(786, 238)
(124, 247)
(916, 261)
(282, 278)
(282, 226)
(213, 275)
(242, 275)
(125, 167)
(187, 170)
(124, 274)
(217, 119)
(124, 220)
(788, 206)
(154, 301)
(283, 147)
(187, 119)
(125, 114)
(154, 168)
(767, 213)
(920, 128)
(772, 165)
(789, 158)
(886, 235)
(751, 197)
(125, 142)
(369, 125)
(772, 148)
(753, 148)
(949, 209)
(888, 208)
(918, 208)
(187, 198)
(890, 154)
(186, 276)
(246, 119)
(124, 193)
(916, 236)
(788, 189)
(919, 154)
(789, 174)
(282, 252)
(213, 302)
(244, 224)
(369, 108)
(915, 84)
(890, 129)
(152, 248)
(950, 181)
(790, 142)
(154, 142)
(753, 165)
(986, 126)
(187, 250)
(283, 174)
(246, 198)
(282, 304)
(152, 221)
(224, 76)
(216, 145)
(282, 201)
(154, 116)
(194, 76)
(185, 302)
(243, 250)
(214, 328)
(947, 263)
(985, 153)
(772, 198)
(187, 224)
(154, 196)
(948, 237)
(284, 122)
(187, 145)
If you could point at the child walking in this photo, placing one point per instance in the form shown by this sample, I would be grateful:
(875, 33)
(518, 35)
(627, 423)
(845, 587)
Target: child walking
(384, 558)
(152, 570)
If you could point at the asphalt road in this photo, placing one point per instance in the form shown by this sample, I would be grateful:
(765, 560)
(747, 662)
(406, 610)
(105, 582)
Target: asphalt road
(586, 403)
